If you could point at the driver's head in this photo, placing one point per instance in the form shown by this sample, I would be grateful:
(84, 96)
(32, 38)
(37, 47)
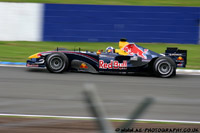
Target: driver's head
(110, 49)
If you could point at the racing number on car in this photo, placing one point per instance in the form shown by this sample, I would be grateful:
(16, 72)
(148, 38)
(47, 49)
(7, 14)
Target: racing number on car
(112, 65)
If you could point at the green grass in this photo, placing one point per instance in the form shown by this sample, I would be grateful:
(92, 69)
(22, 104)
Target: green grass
(19, 51)
(119, 2)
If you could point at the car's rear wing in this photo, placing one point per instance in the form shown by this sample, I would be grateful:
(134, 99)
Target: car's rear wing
(179, 56)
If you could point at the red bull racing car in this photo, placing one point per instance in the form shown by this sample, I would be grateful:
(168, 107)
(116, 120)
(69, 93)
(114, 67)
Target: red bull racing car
(130, 57)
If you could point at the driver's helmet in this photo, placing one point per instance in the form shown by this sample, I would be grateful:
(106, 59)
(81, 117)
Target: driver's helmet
(110, 50)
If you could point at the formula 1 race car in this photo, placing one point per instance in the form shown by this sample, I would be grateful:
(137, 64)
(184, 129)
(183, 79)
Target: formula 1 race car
(130, 57)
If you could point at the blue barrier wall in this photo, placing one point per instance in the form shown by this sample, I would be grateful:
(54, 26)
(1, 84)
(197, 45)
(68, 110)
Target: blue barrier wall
(98, 23)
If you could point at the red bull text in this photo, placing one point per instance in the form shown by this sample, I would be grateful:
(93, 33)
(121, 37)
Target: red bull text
(132, 49)
(112, 65)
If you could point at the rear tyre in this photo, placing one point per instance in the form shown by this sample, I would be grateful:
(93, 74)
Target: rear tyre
(164, 67)
(57, 62)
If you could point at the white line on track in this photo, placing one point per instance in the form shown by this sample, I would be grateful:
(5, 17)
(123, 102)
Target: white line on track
(188, 73)
(3, 65)
(91, 118)
(187, 70)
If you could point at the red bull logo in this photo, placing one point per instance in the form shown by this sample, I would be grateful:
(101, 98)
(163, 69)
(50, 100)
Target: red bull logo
(132, 49)
(112, 65)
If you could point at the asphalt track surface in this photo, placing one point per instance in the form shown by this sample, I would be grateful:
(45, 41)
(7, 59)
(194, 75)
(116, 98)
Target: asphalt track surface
(36, 91)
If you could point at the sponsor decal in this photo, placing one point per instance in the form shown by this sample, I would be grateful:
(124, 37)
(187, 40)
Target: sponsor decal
(132, 49)
(180, 58)
(83, 65)
(180, 65)
(112, 65)
(28, 65)
(175, 54)
(146, 60)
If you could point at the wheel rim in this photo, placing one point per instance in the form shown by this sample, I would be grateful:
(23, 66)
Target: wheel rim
(164, 68)
(56, 63)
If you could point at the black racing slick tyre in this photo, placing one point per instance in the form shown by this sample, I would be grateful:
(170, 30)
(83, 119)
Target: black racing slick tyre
(164, 67)
(57, 62)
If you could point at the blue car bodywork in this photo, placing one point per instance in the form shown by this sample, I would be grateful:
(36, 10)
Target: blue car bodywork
(139, 60)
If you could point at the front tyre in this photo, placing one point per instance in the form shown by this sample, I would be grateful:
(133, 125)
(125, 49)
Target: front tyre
(57, 62)
(164, 67)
